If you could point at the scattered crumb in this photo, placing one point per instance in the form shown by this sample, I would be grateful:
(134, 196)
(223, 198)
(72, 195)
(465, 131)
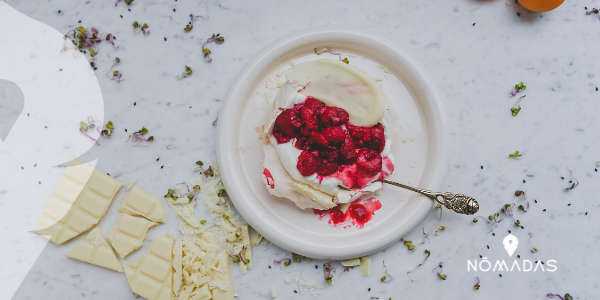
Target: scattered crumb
(413, 138)
(242, 148)
(262, 135)
(385, 69)
(171, 105)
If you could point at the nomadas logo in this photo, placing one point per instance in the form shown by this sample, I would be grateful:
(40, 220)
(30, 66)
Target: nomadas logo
(511, 243)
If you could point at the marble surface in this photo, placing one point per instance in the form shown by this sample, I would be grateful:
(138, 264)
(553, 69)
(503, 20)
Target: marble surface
(475, 51)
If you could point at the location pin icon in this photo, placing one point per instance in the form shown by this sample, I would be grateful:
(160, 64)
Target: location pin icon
(510, 244)
(11, 106)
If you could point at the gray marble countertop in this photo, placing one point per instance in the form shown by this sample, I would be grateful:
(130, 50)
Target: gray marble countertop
(475, 52)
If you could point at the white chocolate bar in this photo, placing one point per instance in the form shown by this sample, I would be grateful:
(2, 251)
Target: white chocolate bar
(80, 199)
(96, 251)
(141, 203)
(128, 233)
(151, 276)
(223, 279)
(202, 293)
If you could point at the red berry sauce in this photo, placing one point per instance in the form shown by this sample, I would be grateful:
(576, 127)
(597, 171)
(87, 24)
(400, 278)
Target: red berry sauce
(359, 213)
(269, 178)
(331, 146)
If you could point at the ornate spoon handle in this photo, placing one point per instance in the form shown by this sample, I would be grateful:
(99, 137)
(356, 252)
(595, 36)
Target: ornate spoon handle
(457, 202)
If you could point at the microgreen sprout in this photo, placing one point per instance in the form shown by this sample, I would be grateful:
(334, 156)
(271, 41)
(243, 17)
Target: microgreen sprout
(441, 269)
(296, 257)
(533, 249)
(428, 253)
(515, 155)
(388, 277)
(328, 271)
(85, 127)
(109, 37)
(518, 223)
(116, 75)
(217, 39)
(515, 110)
(209, 172)
(345, 60)
(185, 74)
(518, 87)
(574, 182)
(475, 220)
(409, 245)
(139, 136)
(136, 25)
(284, 262)
(477, 284)
(593, 11)
(190, 26)
(117, 61)
(109, 129)
(145, 29)
(440, 230)
(566, 297)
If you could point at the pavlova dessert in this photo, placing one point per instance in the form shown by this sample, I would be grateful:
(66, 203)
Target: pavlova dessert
(325, 141)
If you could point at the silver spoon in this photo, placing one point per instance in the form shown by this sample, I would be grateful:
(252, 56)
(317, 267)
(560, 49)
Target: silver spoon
(457, 202)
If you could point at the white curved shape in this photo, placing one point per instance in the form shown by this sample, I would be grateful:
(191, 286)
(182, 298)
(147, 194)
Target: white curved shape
(298, 230)
(338, 84)
(46, 133)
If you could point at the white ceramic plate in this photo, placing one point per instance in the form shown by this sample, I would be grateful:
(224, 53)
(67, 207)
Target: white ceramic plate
(419, 144)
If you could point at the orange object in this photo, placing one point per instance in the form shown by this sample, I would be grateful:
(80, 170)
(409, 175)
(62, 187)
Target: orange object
(541, 5)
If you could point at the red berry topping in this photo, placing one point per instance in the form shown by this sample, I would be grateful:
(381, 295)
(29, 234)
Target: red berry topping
(288, 123)
(348, 153)
(309, 118)
(327, 168)
(307, 163)
(329, 155)
(377, 138)
(313, 103)
(280, 136)
(369, 161)
(318, 139)
(335, 136)
(334, 116)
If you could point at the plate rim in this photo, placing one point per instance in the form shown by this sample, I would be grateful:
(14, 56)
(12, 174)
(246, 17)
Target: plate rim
(227, 136)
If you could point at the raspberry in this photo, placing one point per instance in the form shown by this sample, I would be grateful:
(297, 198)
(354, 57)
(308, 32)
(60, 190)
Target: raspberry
(348, 154)
(307, 163)
(360, 133)
(280, 136)
(313, 103)
(309, 118)
(288, 123)
(369, 161)
(327, 168)
(302, 142)
(377, 138)
(334, 116)
(370, 137)
(334, 135)
(329, 155)
(318, 139)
